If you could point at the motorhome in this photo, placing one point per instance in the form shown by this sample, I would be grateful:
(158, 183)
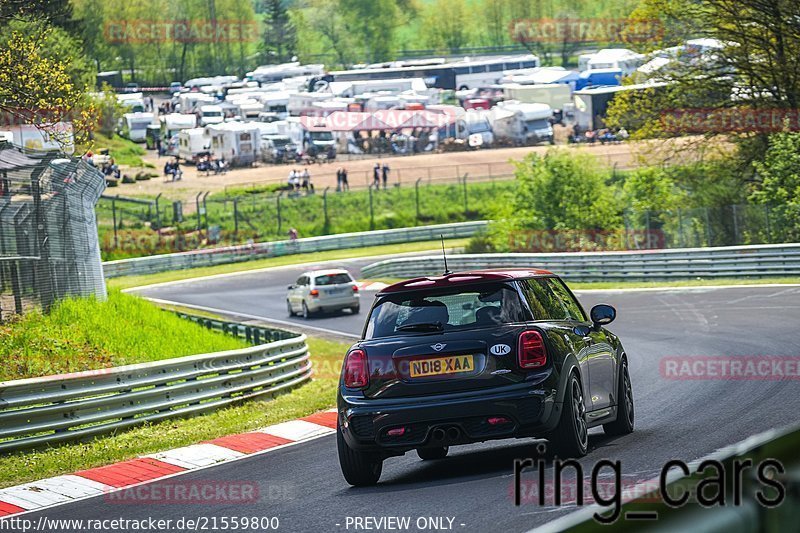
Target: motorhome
(192, 142)
(238, 142)
(211, 114)
(618, 58)
(523, 123)
(248, 109)
(173, 123)
(132, 102)
(277, 148)
(555, 95)
(191, 102)
(306, 139)
(57, 137)
(133, 126)
(303, 103)
(276, 102)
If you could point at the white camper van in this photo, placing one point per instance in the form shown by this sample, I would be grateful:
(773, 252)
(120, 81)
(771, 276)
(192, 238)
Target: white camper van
(211, 114)
(192, 142)
(133, 126)
(523, 123)
(173, 123)
(238, 142)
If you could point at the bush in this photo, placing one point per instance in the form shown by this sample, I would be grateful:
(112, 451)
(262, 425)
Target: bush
(128, 179)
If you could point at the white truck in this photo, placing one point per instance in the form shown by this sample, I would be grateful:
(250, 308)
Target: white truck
(133, 126)
(238, 142)
(192, 142)
(522, 123)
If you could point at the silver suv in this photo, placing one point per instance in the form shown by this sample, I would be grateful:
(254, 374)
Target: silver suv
(323, 291)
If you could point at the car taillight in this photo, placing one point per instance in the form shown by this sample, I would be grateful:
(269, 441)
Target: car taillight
(355, 288)
(314, 292)
(532, 352)
(356, 370)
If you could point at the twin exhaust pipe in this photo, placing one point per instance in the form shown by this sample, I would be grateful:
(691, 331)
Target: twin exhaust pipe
(449, 434)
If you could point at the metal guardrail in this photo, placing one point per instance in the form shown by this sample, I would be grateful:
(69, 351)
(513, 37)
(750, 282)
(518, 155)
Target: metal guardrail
(767, 260)
(235, 254)
(60, 408)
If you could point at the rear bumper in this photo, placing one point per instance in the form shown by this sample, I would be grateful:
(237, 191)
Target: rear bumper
(531, 410)
(332, 304)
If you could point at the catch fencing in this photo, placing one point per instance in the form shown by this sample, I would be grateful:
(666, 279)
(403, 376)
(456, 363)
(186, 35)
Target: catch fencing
(234, 254)
(55, 409)
(49, 247)
(760, 261)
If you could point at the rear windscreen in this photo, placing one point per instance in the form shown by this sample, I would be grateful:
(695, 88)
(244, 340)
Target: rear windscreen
(332, 279)
(476, 306)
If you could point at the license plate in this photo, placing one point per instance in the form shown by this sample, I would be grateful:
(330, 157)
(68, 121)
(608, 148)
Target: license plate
(441, 365)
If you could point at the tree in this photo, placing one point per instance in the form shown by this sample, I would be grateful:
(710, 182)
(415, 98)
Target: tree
(374, 24)
(493, 13)
(324, 17)
(779, 188)
(280, 36)
(54, 12)
(446, 23)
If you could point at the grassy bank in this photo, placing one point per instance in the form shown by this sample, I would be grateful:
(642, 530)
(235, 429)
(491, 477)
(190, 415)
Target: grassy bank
(312, 397)
(330, 255)
(86, 334)
(124, 152)
(257, 215)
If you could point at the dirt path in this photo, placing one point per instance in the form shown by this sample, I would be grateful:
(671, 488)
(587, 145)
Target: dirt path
(404, 170)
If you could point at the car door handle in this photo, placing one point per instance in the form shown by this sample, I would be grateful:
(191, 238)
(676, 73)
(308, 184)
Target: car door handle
(588, 340)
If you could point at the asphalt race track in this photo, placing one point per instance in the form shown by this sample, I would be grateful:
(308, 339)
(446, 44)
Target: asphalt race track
(675, 418)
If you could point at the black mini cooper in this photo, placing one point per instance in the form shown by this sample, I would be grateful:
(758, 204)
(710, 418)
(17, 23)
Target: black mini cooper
(473, 356)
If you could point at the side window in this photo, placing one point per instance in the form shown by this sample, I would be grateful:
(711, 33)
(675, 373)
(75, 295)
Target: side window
(567, 300)
(543, 302)
(302, 280)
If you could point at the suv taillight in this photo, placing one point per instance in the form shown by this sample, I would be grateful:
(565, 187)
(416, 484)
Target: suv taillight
(531, 352)
(356, 370)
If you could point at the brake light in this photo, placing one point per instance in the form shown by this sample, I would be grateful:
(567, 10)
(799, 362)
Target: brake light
(532, 352)
(355, 288)
(356, 370)
(314, 292)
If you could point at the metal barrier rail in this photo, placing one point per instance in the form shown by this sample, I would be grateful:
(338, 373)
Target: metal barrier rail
(60, 408)
(235, 254)
(767, 260)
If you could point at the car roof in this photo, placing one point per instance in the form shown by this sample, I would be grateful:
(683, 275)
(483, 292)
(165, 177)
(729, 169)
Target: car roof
(468, 277)
(314, 273)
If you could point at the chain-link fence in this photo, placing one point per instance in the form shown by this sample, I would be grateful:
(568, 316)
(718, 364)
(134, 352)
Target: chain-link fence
(48, 232)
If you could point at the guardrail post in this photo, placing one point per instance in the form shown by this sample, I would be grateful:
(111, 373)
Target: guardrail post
(236, 218)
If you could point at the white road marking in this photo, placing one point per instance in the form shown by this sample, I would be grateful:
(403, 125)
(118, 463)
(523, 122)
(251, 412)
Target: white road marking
(297, 430)
(197, 455)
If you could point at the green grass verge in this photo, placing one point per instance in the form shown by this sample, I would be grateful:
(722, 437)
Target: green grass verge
(317, 395)
(86, 334)
(124, 152)
(127, 282)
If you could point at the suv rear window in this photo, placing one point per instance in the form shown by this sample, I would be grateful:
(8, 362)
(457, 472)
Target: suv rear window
(430, 311)
(332, 279)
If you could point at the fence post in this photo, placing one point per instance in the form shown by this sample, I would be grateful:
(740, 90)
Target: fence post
(416, 195)
(735, 225)
(680, 227)
(197, 210)
(766, 218)
(16, 287)
(466, 201)
(278, 207)
(371, 211)
(708, 228)
(44, 279)
(326, 226)
(114, 220)
(647, 227)
(235, 218)
(205, 210)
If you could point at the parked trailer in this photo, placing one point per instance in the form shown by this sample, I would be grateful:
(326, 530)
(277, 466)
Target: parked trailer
(523, 123)
(192, 142)
(555, 95)
(173, 123)
(133, 126)
(590, 105)
(238, 142)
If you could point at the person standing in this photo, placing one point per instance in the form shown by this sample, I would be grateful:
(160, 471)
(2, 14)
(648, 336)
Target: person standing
(306, 180)
(339, 179)
(376, 175)
(345, 185)
(385, 172)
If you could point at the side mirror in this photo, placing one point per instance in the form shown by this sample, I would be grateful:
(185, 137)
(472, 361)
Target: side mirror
(602, 314)
(290, 287)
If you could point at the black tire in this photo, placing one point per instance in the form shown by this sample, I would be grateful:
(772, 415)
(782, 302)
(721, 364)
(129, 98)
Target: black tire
(289, 308)
(355, 309)
(625, 410)
(306, 312)
(359, 469)
(429, 454)
(571, 436)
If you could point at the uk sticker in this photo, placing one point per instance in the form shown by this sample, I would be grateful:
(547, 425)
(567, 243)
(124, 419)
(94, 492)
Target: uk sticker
(500, 349)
